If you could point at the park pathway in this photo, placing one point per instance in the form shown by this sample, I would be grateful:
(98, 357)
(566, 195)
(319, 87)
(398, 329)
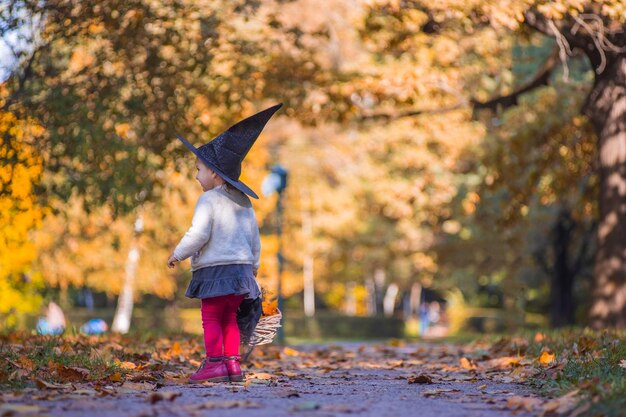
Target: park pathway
(364, 380)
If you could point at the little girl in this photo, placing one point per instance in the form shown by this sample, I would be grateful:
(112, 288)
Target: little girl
(224, 245)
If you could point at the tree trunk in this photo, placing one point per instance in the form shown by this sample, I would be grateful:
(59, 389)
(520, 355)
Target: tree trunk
(125, 302)
(606, 107)
(307, 267)
(350, 303)
(379, 285)
(389, 301)
(562, 282)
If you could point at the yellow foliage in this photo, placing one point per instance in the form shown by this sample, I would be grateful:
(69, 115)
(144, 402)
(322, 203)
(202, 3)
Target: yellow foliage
(20, 171)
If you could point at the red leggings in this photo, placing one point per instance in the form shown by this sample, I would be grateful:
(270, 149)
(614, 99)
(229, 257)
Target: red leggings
(219, 321)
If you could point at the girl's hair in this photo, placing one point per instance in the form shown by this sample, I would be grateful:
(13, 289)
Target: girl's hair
(228, 186)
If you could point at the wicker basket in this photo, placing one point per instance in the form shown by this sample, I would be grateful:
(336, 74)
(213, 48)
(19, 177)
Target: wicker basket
(266, 329)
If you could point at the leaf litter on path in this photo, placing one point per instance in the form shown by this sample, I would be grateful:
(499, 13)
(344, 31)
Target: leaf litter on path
(142, 369)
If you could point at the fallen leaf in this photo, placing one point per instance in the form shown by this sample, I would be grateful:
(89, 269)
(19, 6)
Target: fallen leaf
(501, 363)
(127, 365)
(467, 363)
(290, 352)
(209, 405)
(420, 379)
(586, 343)
(136, 386)
(288, 374)
(43, 384)
(18, 374)
(19, 409)
(546, 358)
(561, 405)
(439, 391)
(522, 403)
(116, 377)
(25, 363)
(260, 375)
(581, 410)
(175, 350)
(288, 393)
(70, 373)
(85, 391)
(163, 396)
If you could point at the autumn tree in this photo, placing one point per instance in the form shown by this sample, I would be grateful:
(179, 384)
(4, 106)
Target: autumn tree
(112, 82)
(595, 29)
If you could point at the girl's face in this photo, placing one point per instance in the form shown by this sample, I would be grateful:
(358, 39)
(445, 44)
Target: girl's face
(207, 178)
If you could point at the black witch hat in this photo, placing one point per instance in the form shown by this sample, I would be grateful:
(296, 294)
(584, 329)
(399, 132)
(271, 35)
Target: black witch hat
(225, 153)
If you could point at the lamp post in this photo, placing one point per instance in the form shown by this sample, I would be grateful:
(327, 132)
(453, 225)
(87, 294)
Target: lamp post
(276, 182)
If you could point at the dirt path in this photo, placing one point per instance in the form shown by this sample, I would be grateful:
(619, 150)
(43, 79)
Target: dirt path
(361, 380)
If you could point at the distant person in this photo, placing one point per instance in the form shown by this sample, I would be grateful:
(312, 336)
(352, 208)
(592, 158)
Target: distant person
(434, 312)
(94, 327)
(423, 318)
(224, 245)
(54, 321)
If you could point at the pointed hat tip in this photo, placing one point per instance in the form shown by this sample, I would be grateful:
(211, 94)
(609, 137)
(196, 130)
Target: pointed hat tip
(275, 107)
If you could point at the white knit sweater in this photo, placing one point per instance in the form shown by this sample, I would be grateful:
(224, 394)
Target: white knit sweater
(223, 231)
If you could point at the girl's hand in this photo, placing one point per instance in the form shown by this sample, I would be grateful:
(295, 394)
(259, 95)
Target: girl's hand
(171, 261)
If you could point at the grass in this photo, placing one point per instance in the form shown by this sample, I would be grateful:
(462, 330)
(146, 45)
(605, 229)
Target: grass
(588, 361)
(23, 360)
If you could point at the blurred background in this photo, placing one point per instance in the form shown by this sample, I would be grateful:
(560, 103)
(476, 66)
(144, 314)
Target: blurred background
(445, 162)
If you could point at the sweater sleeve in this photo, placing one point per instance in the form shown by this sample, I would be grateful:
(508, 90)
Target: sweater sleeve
(256, 246)
(200, 231)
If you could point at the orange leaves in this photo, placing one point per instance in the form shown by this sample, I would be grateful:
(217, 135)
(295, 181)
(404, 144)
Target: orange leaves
(116, 377)
(270, 307)
(546, 358)
(290, 351)
(467, 363)
(270, 303)
(127, 365)
(175, 350)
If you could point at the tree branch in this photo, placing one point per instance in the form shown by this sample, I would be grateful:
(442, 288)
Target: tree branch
(21, 81)
(541, 78)
(597, 42)
(540, 23)
(410, 113)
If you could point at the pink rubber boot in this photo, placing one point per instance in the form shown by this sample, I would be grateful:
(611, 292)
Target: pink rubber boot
(234, 370)
(211, 370)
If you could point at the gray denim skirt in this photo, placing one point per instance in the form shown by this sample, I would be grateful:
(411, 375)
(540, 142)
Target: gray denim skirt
(214, 281)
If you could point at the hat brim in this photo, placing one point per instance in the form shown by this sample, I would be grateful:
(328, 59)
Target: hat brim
(235, 183)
